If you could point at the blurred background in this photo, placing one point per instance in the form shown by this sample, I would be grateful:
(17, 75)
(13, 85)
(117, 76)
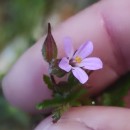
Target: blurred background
(22, 22)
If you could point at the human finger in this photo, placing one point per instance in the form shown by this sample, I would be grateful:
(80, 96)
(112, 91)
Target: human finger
(106, 24)
(90, 118)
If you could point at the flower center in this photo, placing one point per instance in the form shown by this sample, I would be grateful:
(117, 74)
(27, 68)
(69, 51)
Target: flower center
(78, 59)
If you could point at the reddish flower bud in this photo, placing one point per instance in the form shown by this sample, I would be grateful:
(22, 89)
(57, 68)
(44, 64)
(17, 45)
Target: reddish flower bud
(49, 49)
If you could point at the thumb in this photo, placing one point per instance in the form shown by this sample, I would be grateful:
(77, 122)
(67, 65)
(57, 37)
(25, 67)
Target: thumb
(90, 118)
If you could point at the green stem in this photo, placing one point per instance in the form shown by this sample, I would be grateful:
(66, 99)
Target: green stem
(53, 81)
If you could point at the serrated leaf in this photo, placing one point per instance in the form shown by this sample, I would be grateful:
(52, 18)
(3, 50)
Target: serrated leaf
(56, 116)
(63, 87)
(49, 49)
(62, 99)
(48, 81)
(51, 103)
(59, 111)
(77, 94)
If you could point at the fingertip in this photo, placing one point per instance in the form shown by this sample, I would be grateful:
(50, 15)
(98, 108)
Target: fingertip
(90, 118)
(62, 124)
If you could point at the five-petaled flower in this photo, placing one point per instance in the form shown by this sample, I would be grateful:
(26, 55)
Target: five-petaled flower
(77, 61)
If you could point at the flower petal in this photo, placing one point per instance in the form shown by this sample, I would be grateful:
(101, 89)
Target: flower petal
(68, 47)
(80, 74)
(64, 64)
(92, 63)
(84, 50)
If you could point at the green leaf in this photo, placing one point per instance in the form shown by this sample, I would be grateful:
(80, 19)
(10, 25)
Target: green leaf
(55, 69)
(77, 94)
(115, 94)
(59, 99)
(48, 81)
(56, 116)
(63, 87)
(75, 103)
(51, 103)
(72, 81)
(106, 99)
(49, 49)
(59, 111)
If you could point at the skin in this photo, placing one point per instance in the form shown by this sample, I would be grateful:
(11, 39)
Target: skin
(107, 25)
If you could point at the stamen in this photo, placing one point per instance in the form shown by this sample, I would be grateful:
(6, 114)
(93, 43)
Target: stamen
(78, 59)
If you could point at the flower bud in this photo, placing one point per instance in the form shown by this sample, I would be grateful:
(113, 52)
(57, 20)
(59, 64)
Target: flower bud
(49, 49)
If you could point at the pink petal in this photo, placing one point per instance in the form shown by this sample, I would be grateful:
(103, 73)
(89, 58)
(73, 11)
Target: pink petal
(84, 50)
(68, 47)
(92, 63)
(80, 74)
(64, 64)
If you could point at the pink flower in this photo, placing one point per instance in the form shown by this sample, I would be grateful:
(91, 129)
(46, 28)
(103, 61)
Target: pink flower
(77, 61)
